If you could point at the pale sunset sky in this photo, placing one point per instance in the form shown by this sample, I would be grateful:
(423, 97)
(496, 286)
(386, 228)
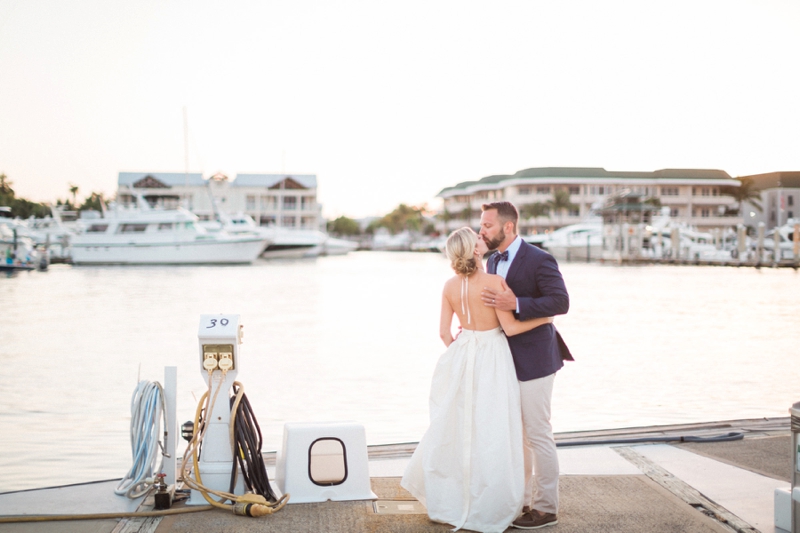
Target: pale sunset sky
(391, 101)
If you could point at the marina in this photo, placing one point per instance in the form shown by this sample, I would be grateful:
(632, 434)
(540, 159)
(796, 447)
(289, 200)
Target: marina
(654, 345)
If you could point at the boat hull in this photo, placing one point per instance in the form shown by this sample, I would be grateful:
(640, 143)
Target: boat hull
(233, 251)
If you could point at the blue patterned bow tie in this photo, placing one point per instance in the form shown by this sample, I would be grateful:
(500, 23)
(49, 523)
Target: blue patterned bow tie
(502, 256)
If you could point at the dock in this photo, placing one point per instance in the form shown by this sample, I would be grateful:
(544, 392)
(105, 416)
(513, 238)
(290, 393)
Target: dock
(622, 480)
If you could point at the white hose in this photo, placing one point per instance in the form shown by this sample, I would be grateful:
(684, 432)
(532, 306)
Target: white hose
(147, 411)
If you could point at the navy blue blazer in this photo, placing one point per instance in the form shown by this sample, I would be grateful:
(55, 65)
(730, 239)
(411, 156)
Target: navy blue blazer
(536, 281)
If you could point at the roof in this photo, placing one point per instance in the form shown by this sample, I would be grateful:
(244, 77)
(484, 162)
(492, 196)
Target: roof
(268, 180)
(170, 179)
(590, 174)
(774, 180)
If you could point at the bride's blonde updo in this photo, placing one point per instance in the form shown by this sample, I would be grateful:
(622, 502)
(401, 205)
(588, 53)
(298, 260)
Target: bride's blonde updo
(460, 250)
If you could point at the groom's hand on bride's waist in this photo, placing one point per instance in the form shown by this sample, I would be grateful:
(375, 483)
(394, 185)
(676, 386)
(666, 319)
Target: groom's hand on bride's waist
(504, 300)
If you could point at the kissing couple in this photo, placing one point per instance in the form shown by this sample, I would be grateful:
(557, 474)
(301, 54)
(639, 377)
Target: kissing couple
(488, 459)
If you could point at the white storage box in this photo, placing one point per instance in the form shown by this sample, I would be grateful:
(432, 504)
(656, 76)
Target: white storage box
(324, 461)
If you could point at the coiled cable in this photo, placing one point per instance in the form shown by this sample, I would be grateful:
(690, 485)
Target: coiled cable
(246, 439)
(148, 412)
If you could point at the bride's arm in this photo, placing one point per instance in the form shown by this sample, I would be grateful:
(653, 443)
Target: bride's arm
(511, 326)
(446, 321)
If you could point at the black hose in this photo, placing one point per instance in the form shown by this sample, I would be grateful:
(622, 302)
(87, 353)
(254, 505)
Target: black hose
(715, 438)
(247, 440)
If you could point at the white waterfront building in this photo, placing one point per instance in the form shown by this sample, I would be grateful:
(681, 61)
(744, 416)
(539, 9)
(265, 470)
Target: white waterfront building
(696, 197)
(779, 199)
(285, 200)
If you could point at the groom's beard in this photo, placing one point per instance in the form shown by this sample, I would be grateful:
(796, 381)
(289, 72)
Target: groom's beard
(493, 244)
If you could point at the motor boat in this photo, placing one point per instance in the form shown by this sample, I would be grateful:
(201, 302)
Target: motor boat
(581, 241)
(143, 235)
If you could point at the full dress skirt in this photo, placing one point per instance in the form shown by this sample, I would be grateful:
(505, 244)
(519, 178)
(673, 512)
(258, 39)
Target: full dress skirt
(468, 468)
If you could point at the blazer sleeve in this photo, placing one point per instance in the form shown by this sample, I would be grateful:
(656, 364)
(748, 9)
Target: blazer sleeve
(552, 298)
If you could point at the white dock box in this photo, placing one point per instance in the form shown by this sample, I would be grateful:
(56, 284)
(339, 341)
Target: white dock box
(324, 461)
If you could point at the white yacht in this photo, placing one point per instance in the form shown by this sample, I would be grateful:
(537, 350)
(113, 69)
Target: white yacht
(282, 241)
(784, 240)
(144, 235)
(581, 241)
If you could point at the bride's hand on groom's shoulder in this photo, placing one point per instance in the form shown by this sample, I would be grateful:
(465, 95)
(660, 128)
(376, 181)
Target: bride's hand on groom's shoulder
(504, 299)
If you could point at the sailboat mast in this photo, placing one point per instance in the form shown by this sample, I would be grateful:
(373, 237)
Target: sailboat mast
(186, 156)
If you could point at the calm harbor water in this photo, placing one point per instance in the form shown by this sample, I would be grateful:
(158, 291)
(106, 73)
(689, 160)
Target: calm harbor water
(356, 338)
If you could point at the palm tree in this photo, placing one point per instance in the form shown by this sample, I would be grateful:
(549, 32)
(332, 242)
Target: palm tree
(466, 214)
(560, 202)
(445, 216)
(5, 185)
(746, 193)
(534, 211)
(74, 190)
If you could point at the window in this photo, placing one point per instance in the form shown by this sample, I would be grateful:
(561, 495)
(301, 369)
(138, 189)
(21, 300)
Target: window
(290, 202)
(165, 226)
(327, 462)
(267, 220)
(132, 228)
(307, 203)
(308, 222)
(543, 189)
(790, 202)
(97, 228)
(575, 212)
(599, 190)
(288, 222)
(269, 203)
(523, 191)
(574, 189)
(251, 202)
(706, 191)
(705, 212)
(674, 212)
(670, 191)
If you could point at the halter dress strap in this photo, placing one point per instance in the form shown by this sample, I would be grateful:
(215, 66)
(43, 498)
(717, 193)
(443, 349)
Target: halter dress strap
(465, 298)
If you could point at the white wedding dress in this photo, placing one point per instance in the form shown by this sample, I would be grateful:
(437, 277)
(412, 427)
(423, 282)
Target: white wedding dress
(468, 468)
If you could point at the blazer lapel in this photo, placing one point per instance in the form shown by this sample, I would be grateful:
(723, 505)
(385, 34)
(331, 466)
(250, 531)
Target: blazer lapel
(519, 258)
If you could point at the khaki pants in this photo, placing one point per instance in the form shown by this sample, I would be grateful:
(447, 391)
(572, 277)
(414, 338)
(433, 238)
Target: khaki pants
(541, 458)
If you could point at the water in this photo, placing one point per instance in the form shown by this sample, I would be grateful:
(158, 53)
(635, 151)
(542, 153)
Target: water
(356, 338)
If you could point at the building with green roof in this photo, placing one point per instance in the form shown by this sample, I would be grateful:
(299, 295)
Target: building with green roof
(698, 197)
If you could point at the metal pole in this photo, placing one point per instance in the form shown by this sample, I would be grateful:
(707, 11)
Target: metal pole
(795, 494)
(760, 243)
(741, 241)
(171, 441)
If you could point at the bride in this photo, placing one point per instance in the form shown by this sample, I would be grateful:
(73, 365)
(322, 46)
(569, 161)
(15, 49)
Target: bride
(468, 468)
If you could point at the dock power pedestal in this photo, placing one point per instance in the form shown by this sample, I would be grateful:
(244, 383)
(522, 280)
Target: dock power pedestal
(220, 339)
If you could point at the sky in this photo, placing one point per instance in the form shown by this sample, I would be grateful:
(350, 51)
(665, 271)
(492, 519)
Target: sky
(388, 102)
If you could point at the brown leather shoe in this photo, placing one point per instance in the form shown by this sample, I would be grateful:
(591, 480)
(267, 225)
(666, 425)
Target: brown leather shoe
(535, 520)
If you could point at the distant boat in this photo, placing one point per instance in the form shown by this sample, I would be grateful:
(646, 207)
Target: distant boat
(282, 242)
(580, 241)
(143, 235)
(17, 250)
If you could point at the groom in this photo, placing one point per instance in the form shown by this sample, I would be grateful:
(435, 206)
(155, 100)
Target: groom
(535, 289)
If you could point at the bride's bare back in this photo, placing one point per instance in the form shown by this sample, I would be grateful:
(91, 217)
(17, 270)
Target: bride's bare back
(473, 314)
(481, 318)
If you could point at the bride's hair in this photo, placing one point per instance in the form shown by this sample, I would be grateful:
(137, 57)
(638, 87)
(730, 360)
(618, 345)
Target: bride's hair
(460, 250)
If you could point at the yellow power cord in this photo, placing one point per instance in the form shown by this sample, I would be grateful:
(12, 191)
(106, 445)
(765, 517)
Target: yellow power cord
(245, 504)
(101, 516)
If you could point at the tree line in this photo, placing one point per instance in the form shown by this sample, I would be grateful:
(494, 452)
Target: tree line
(23, 208)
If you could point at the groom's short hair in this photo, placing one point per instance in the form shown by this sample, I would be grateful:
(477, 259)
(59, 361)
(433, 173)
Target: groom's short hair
(506, 212)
